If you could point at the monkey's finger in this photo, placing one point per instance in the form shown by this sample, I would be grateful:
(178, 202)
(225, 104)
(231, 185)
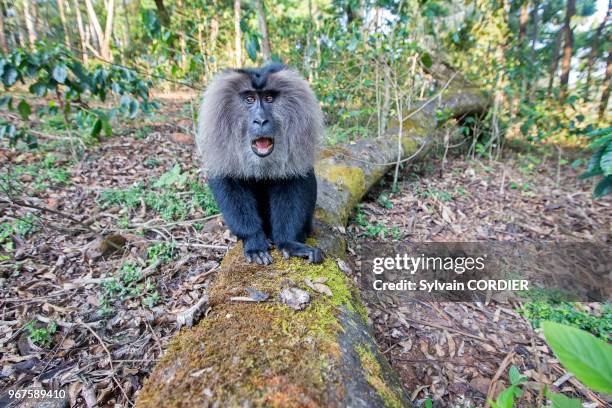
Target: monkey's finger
(286, 254)
(265, 257)
(315, 256)
(248, 257)
(257, 259)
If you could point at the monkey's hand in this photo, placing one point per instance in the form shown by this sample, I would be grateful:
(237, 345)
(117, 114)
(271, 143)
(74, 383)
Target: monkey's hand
(256, 250)
(313, 255)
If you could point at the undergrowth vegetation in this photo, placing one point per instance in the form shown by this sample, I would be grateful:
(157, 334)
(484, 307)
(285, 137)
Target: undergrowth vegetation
(174, 196)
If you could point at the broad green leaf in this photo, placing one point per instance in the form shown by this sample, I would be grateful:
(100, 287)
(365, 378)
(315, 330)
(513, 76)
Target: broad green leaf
(38, 89)
(593, 166)
(9, 76)
(252, 46)
(5, 100)
(60, 73)
(603, 188)
(561, 401)
(426, 60)
(505, 399)
(606, 160)
(133, 109)
(515, 377)
(24, 109)
(581, 353)
(600, 141)
(106, 127)
(97, 127)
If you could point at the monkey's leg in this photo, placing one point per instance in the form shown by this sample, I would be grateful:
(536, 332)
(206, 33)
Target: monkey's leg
(239, 208)
(292, 204)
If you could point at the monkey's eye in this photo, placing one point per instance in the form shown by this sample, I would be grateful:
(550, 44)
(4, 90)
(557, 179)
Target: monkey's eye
(269, 98)
(250, 99)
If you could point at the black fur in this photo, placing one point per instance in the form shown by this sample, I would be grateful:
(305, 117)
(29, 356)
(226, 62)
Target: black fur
(262, 211)
(259, 76)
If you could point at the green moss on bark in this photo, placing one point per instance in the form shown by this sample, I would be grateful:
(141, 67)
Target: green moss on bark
(264, 354)
(390, 397)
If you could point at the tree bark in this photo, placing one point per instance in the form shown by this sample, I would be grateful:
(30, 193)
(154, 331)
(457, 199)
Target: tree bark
(265, 354)
(94, 23)
(595, 50)
(127, 24)
(162, 13)
(308, 48)
(3, 42)
(81, 28)
(554, 63)
(62, 13)
(182, 41)
(568, 47)
(30, 20)
(605, 96)
(108, 30)
(263, 27)
(237, 35)
(535, 18)
(102, 37)
(523, 20)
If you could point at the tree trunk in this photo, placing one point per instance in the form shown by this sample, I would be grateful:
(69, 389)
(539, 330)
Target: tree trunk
(162, 13)
(127, 24)
(30, 20)
(265, 354)
(62, 13)
(237, 34)
(94, 24)
(3, 42)
(214, 35)
(554, 63)
(263, 27)
(535, 18)
(108, 30)
(308, 48)
(523, 20)
(102, 37)
(81, 28)
(182, 41)
(594, 50)
(568, 47)
(605, 96)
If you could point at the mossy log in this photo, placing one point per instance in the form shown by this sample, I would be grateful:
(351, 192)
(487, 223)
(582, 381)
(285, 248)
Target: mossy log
(266, 354)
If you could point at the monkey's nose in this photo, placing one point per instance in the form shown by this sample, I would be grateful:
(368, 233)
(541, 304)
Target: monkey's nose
(260, 122)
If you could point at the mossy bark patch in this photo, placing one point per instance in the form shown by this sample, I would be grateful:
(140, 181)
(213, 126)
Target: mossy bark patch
(392, 397)
(350, 178)
(262, 354)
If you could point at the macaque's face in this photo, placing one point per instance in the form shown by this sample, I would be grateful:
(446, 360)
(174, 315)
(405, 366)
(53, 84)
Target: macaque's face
(261, 123)
(261, 128)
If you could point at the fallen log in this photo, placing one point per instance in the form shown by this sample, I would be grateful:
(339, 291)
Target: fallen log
(264, 353)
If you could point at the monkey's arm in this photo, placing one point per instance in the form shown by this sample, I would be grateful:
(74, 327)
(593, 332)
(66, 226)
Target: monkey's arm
(239, 208)
(292, 204)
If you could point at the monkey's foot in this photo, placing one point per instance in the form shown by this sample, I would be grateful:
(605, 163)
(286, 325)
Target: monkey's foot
(260, 257)
(313, 255)
(256, 250)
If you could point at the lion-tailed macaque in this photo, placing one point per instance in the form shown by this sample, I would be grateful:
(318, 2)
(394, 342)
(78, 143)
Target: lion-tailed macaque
(258, 133)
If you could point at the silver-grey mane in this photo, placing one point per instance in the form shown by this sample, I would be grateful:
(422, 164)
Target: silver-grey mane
(221, 138)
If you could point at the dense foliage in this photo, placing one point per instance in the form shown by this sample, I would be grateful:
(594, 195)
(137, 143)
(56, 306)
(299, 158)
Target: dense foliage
(70, 87)
(546, 63)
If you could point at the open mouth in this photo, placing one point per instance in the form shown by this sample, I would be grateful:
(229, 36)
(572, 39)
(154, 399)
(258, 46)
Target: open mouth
(262, 146)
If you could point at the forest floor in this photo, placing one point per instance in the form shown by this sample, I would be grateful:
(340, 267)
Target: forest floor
(460, 352)
(104, 258)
